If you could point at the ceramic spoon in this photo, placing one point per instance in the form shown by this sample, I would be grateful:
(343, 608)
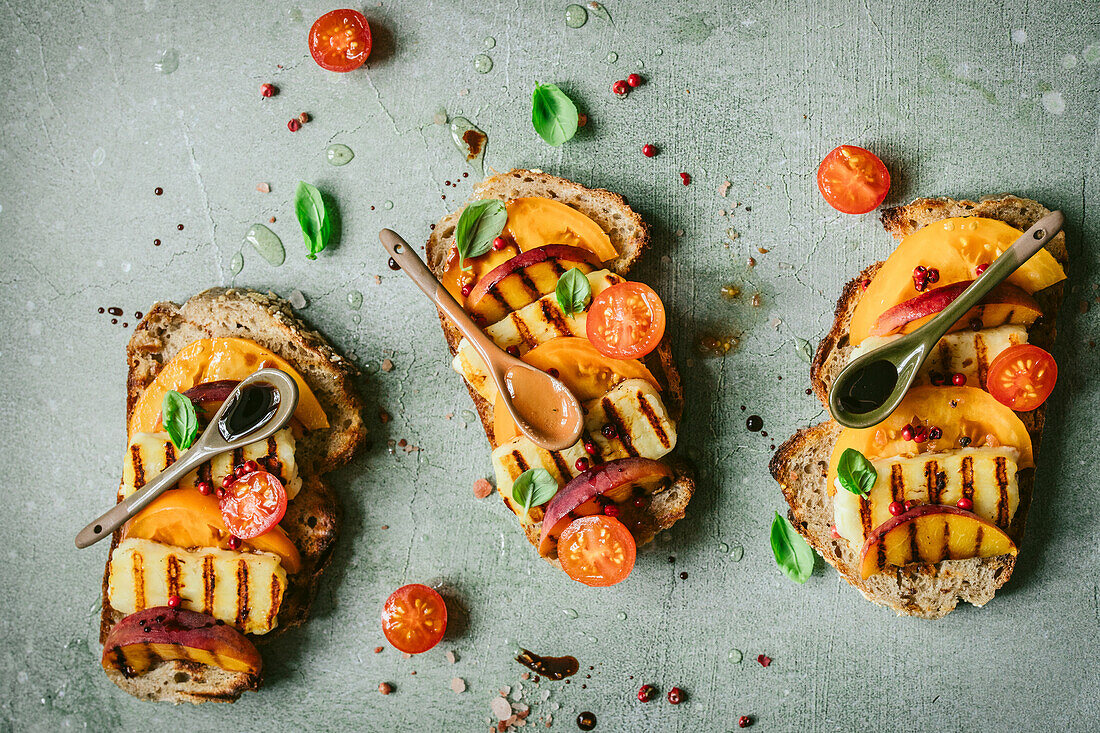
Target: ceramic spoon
(544, 409)
(871, 387)
(248, 415)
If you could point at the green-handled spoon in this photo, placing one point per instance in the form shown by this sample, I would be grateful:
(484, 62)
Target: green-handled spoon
(869, 389)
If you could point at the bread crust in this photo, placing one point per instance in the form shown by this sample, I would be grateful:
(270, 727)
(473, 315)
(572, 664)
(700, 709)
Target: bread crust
(800, 465)
(630, 235)
(311, 520)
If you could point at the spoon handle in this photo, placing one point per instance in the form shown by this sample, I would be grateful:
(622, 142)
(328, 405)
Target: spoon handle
(1030, 242)
(117, 515)
(425, 279)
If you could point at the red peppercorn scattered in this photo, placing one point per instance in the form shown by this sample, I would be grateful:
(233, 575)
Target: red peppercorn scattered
(303, 117)
(958, 379)
(294, 125)
(935, 433)
(933, 275)
(590, 447)
(174, 601)
(385, 688)
(764, 660)
(513, 350)
(981, 268)
(896, 508)
(204, 488)
(581, 464)
(608, 431)
(907, 432)
(219, 492)
(920, 435)
(267, 90)
(234, 542)
(647, 693)
(499, 243)
(467, 289)
(649, 150)
(611, 510)
(676, 696)
(620, 87)
(685, 178)
(965, 503)
(239, 470)
(910, 504)
(744, 721)
(634, 80)
(228, 481)
(251, 467)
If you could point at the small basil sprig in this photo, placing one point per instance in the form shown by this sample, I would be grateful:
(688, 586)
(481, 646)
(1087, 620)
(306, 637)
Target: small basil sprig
(179, 419)
(855, 472)
(481, 222)
(312, 217)
(573, 292)
(553, 114)
(533, 487)
(792, 553)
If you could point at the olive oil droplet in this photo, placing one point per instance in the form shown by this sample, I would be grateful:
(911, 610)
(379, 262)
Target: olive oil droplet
(575, 15)
(339, 154)
(267, 243)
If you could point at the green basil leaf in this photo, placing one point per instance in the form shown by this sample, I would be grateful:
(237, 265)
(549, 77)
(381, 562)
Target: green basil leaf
(855, 472)
(792, 553)
(533, 487)
(178, 416)
(481, 222)
(312, 217)
(553, 114)
(573, 292)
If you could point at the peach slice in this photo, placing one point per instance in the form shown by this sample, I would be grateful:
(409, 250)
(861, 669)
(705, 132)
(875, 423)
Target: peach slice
(1005, 304)
(524, 279)
(615, 482)
(144, 639)
(930, 533)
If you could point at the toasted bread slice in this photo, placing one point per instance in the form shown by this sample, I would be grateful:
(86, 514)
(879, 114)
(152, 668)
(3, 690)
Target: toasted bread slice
(630, 236)
(311, 518)
(800, 465)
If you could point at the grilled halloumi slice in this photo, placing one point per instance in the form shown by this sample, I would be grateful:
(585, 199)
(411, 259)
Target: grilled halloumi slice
(150, 453)
(525, 329)
(963, 352)
(242, 589)
(986, 476)
(642, 428)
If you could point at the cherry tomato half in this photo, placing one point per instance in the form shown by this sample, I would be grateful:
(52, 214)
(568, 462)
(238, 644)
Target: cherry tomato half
(853, 180)
(597, 550)
(253, 504)
(1022, 377)
(414, 618)
(626, 321)
(340, 40)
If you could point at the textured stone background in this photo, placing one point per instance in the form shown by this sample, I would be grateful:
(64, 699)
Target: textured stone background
(958, 98)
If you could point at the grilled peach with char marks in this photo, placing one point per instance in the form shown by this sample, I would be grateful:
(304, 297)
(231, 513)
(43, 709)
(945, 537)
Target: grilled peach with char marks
(930, 533)
(524, 279)
(1005, 304)
(144, 639)
(617, 482)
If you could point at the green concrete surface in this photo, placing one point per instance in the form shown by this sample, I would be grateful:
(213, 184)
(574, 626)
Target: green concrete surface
(959, 99)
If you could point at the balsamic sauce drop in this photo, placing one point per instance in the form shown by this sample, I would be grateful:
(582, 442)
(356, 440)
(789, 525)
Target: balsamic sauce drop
(554, 668)
(586, 721)
(250, 408)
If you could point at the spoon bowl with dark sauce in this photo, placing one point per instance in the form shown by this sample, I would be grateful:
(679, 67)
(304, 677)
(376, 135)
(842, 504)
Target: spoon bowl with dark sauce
(869, 389)
(256, 409)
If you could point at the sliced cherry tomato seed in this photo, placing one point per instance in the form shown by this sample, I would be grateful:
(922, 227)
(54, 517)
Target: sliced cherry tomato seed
(853, 180)
(340, 40)
(414, 618)
(626, 321)
(597, 550)
(253, 504)
(1022, 377)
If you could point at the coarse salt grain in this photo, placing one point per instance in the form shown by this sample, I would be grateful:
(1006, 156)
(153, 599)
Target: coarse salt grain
(482, 488)
(263, 187)
(501, 709)
(458, 684)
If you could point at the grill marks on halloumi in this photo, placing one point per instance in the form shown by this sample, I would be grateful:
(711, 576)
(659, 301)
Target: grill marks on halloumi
(964, 352)
(150, 453)
(643, 428)
(241, 589)
(525, 329)
(986, 476)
